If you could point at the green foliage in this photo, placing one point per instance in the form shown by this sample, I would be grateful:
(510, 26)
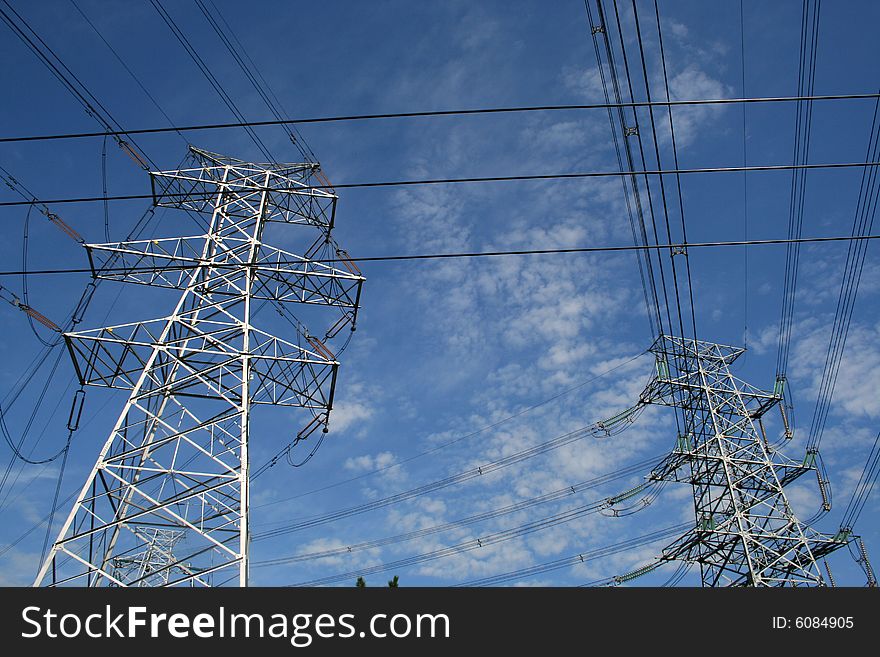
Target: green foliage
(362, 583)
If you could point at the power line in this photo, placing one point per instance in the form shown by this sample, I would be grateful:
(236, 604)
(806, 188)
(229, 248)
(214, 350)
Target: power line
(104, 191)
(227, 99)
(635, 466)
(634, 130)
(745, 179)
(576, 559)
(89, 101)
(6, 548)
(60, 479)
(637, 247)
(656, 145)
(863, 220)
(127, 69)
(19, 188)
(458, 439)
(637, 220)
(25, 292)
(552, 496)
(621, 422)
(440, 113)
(92, 106)
(16, 446)
(474, 254)
(810, 20)
(7, 500)
(683, 251)
(185, 42)
(676, 163)
(482, 179)
(252, 73)
(480, 542)
(209, 76)
(863, 488)
(434, 256)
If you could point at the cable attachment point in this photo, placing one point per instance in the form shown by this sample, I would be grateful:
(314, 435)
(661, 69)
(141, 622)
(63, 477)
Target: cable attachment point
(631, 131)
(865, 563)
(312, 426)
(821, 482)
(130, 150)
(37, 316)
(340, 323)
(598, 29)
(787, 430)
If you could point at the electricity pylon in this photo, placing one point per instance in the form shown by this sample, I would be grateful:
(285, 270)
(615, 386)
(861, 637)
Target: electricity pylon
(154, 565)
(167, 501)
(746, 533)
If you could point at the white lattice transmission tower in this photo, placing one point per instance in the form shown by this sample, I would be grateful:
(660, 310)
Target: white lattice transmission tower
(167, 500)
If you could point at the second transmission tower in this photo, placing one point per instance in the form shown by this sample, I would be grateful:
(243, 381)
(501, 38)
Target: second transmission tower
(746, 533)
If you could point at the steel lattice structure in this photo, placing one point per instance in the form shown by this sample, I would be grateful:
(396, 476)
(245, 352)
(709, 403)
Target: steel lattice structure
(167, 500)
(154, 565)
(746, 533)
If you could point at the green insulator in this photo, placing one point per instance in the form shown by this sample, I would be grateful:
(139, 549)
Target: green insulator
(620, 416)
(779, 386)
(662, 369)
(638, 572)
(626, 495)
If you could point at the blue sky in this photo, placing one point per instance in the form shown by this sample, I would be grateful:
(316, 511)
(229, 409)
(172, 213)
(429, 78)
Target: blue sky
(446, 348)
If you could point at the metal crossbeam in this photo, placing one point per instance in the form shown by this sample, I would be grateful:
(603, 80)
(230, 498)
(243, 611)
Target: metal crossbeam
(279, 275)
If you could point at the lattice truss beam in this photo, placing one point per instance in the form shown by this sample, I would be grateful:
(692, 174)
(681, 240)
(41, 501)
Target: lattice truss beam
(167, 501)
(746, 532)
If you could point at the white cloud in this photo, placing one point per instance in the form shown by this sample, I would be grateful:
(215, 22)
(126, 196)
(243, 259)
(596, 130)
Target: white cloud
(19, 568)
(370, 462)
(692, 82)
(586, 83)
(348, 414)
(679, 30)
(856, 387)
